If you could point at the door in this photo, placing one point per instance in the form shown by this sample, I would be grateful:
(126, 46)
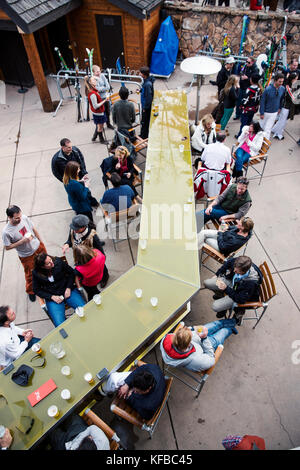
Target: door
(110, 36)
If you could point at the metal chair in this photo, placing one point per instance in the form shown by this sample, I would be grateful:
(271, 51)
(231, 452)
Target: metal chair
(267, 290)
(120, 408)
(138, 176)
(262, 157)
(216, 255)
(199, 377)
(116, 224)
(91, 418)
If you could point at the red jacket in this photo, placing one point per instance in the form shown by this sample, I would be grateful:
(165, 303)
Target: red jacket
(99, 99)
(92, 271)
(248, 441)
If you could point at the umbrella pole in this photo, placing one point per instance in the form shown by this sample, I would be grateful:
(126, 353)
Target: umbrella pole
(198, 99)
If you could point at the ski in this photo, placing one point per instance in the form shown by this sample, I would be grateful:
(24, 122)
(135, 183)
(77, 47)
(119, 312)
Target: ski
(87, 105)
(226, 49)
(90, 56)
(77, 89)
(242, 43)
(62, 61)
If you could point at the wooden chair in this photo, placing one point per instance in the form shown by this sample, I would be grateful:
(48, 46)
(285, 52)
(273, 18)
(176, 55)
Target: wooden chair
(120, 408)
(118, 222)
(199, 377)
(91, 418)
(209, 251)
(266, 292)
(262, 157)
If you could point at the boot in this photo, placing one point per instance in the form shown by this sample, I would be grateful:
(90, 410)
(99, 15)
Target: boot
(95, 135)
(101, 138)
(108, 124)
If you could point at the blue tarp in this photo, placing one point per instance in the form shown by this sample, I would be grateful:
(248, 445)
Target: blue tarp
(166, 48)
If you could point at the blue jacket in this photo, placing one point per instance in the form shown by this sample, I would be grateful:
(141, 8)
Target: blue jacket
(147, 404)
(78, 196)
(147, 92)
(272, 99)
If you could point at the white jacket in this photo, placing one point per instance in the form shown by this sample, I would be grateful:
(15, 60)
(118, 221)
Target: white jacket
(255, 144)
(200, 140)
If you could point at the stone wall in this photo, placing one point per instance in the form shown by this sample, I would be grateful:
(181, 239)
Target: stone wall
(192, 22)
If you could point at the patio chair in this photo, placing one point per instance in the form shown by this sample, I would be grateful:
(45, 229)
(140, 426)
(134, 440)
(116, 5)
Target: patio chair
(199, 377)
(211, 252)
(120, 408)
(262, 157)
(91, 418)
(267, 290)
(106, 165)
(116, 224)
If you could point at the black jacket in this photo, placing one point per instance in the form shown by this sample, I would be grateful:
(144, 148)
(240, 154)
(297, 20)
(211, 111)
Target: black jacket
(64, 278)
(247, 289)
(60, 159)
(222, 78)
(230, 241)
(96, 240)
(147, 404)
(231, 97)
(249, 71)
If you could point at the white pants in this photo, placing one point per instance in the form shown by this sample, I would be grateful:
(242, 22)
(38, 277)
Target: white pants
(114, 381)
(209, 237)
(267, 123)
(280, 124)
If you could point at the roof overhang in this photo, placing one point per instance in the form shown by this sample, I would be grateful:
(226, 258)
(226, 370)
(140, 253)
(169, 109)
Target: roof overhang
(141, 9)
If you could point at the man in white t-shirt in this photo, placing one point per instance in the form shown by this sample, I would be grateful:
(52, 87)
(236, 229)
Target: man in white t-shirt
(11, 346)
(216, 156)
(20, 233)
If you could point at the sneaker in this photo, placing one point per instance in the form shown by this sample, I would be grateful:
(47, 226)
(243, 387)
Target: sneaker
(32, 297)
(221, 314)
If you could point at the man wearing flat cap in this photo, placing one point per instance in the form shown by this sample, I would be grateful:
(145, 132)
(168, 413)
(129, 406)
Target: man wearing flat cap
(224, 73)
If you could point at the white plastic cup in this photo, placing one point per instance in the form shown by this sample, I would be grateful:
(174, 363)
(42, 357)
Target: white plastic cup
(65, 394)
(138, 293)
(143, 244)
(36, 348)
(181, 148)
(147, 177)
(154, 301)
(28, 235)
(88, 377)
(97, 299)
(53, 411)
(79, 311)
(57, 350)
(65, 370)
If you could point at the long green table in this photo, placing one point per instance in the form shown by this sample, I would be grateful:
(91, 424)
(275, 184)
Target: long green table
(124, 327)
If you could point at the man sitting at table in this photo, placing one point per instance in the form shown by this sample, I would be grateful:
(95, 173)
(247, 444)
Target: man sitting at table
(143, 389)
(14, 341)
(216, 156)
(118, 198)
(193, 349)
(232, 204)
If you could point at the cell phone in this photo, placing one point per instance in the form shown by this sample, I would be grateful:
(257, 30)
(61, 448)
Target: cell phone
(8, 369)
(63, 333)
(103, 373)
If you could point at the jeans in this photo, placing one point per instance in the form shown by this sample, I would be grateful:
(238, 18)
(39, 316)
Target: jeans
(202, 218)
(57, 311)
(242, 94)
(246, 119)
(219, 330)
(241, 157)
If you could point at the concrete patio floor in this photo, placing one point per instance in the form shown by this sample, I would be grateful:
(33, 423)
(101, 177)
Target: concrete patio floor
(255, 387)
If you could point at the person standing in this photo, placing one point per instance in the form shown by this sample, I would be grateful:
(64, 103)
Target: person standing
(97, 108)
(224, 74)
(21, 234)
(67, 153)
(288, 108)
(271, 103)
(147, 92)
(103, 88)
(79, 195)
(249, 69)
(231, 93)
(250, 102)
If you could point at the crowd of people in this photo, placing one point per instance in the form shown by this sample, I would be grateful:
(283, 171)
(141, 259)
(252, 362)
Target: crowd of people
(237, 281)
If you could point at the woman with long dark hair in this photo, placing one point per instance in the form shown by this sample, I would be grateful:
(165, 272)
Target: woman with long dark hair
(53, 281)
(231, 93)
(79, 195)
(250, 142)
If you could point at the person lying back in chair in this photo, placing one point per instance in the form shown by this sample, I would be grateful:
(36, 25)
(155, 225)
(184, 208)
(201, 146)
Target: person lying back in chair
(230, 240)
(195, 349)
(143, 388)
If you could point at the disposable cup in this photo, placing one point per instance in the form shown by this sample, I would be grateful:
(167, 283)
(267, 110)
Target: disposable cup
(147, 177)
(28, 235)
(65, 394)
(181, 148)
(79, 311)
(88, 377)
(53, 411)
(138, 293)
(200, 329)
(36, 347)
(97, 299)
(143, 244)
(65, 370)
(154, 301)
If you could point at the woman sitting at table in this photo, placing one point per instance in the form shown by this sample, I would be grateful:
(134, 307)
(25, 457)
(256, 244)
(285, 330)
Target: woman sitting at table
(53, 281)
(250, 142)
(195, 350)
(79, 195)
(205, 134)
(90, 269)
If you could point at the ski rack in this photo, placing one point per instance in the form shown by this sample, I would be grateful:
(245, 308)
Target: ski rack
(71, 74)
(221, 56)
